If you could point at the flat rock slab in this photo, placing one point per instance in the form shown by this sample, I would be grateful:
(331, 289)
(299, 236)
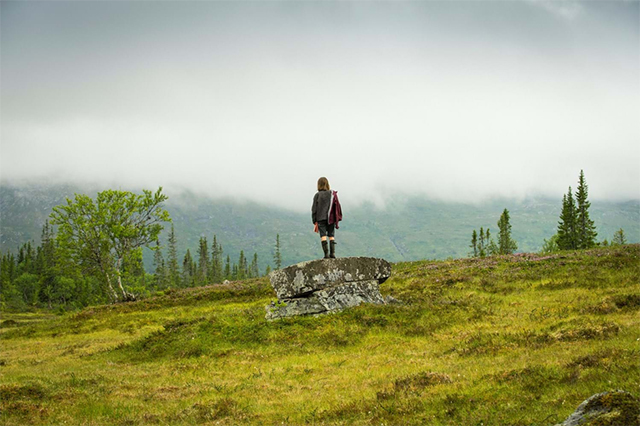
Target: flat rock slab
(331, 299)
(304, 278)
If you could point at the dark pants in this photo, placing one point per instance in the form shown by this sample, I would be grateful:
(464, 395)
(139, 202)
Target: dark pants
(325, 229)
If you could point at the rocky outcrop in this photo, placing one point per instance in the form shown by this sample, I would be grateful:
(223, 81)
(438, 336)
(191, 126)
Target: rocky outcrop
(327, 285)
(606, 409)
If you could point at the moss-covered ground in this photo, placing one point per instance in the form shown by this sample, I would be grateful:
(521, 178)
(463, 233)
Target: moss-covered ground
(514, 340)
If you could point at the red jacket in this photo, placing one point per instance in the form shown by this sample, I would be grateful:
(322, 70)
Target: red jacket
(335, 211)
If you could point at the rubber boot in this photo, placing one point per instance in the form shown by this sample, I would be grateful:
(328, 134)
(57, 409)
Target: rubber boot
(333, 249)
(325, 249)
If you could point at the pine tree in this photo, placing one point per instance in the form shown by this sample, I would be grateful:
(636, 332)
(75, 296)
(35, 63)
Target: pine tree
(203, 261)
(187, 270)
(159, 267)
(567, 235)
(474, 243)
(227, 269)
(174, 273)
(506, 245)
(277, 257)
(242, 267)
(619, 238)
(481, 249)
(254, 270)
(216, 261)
(491, 247)
(585, 229)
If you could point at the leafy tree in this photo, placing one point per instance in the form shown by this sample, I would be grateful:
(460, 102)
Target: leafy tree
(506, 245)
(277, 257)
(100, 236)
(174, 273)
(567, 226)
(585, 229)
(619, 238)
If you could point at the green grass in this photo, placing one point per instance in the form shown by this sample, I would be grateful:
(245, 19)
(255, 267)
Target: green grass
(516, 340)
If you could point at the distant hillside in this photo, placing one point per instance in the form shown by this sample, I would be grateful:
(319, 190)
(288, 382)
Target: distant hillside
(408, 228)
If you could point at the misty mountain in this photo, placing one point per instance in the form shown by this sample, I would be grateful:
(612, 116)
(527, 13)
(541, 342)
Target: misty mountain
(407, 228)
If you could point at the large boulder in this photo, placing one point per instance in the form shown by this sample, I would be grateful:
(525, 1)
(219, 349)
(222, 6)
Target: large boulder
(306, 277)
(327, 285)
(606, 409)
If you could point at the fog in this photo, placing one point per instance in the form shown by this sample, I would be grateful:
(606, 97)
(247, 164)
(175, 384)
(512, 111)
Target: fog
(456, 100)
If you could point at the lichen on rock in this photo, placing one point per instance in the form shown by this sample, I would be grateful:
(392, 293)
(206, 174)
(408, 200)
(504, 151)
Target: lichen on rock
(327, 285)
(617, 408)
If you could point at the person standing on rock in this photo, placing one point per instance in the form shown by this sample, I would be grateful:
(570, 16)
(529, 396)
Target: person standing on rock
(325, 215)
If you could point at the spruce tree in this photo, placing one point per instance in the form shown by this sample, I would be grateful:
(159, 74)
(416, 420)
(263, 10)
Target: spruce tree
(216, 261)
(159, 266)
(254, 271)
(506, 245)
(567, 235)
(174, 273)
(187, 270)
(474, 243)
(277, 257)
(585, 229)
(481, 249)
(619, 238)
(227, 269)
(203, 261)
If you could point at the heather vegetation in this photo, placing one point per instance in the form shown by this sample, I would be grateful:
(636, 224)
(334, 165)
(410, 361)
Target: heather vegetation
(514, 339)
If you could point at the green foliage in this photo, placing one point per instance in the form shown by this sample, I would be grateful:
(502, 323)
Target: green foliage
(277, 256)
(619, 238)
(586, 230)
(550, 245)
(104, 236)
(567, 226)
(506, 244)
(514, 339)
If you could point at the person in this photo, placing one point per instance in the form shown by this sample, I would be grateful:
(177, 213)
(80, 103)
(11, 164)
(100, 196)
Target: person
(321, 213)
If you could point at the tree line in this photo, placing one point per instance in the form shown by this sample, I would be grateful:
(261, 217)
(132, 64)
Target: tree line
(575, 228)
(91, 253)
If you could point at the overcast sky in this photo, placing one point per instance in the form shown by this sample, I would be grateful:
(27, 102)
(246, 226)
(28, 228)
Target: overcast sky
(457, 100)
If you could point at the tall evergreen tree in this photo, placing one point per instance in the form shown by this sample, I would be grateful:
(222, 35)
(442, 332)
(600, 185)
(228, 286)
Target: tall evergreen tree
(188, 270)
(277, 256)
(585, 229)
(203, 261)
(506, 245)
(159, 267)
(254, 271)
(567, 226)
(474, 243)
(242, 266)
(481, 250)
(216, 261)
(227, 269)
(174, 273)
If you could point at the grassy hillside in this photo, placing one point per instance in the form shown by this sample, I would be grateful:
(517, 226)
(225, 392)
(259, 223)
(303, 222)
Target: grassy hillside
(513, 340)
(409, 228)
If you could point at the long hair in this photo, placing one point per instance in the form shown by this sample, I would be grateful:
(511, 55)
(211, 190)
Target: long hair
(323, 184)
